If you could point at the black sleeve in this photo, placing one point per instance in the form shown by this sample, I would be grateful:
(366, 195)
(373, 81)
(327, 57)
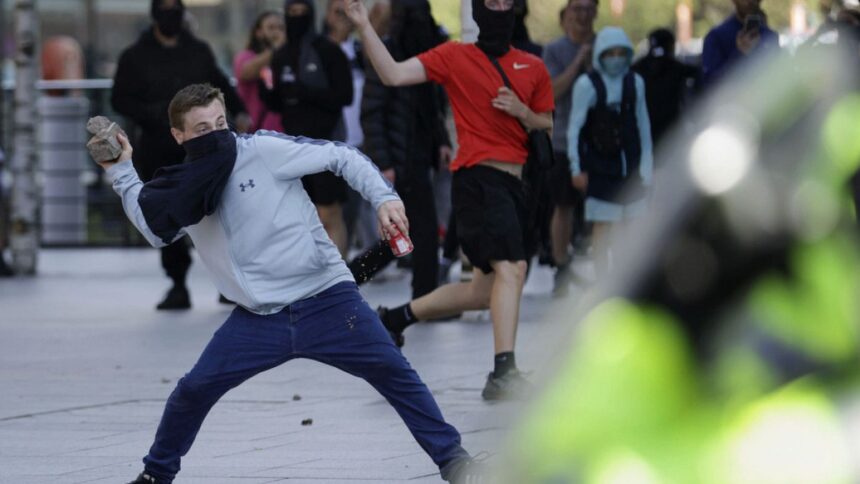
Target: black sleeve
(375, 101)
(127, 95)
(271, 97)
(235, 105)
(441, 129)
(339, 92)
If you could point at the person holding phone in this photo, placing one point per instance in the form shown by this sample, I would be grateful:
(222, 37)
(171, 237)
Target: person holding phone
(740, 36)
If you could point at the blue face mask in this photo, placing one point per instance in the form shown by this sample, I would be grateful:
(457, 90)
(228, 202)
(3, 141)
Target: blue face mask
(614, 66)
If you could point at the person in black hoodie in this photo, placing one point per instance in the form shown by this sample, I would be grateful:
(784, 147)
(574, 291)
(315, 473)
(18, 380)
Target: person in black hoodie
(165, 59)
(312, 84)
(668, 82)
(405, 135)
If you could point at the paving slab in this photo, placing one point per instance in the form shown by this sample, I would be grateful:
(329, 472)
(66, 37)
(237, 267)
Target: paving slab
(86, 364)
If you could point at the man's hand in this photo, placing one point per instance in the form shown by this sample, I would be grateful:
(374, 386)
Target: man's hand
(392, 214)
(126, 151)
(508, 102)
(445, 156)
(747, 40)
(357, 13)
(580, 182)
(583, 58)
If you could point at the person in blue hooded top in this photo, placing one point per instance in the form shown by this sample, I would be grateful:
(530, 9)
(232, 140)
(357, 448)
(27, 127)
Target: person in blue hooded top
(609, 139)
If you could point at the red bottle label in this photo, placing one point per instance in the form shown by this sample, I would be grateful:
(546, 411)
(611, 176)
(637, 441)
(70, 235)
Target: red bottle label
(400, 244)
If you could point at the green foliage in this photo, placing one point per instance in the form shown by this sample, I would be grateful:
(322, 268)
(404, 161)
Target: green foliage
(447, 14)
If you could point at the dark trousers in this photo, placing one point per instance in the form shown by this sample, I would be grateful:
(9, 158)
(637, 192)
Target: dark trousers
(335, 327)
(176, 259)
(417, 195)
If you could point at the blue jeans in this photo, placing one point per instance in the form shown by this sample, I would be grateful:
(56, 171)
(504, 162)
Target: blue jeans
(335, 327)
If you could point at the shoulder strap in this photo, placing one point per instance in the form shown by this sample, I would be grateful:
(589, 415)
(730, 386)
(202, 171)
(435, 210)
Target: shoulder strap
(501, 71)
(507, 81)
(599, 87)
(628, 95)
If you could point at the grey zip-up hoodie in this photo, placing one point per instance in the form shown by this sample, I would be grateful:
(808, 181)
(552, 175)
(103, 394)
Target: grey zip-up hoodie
(264, 244)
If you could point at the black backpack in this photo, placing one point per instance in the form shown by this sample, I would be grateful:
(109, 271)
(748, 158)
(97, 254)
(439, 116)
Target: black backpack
(606, 132)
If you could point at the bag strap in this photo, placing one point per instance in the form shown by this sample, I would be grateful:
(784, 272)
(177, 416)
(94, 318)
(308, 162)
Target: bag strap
(505, 79)
(628, 96)
(501, 71)
(599, 87)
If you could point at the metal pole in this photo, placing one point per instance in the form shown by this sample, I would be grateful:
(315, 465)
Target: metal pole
(91, 37)
(2, 75)
(24, 240)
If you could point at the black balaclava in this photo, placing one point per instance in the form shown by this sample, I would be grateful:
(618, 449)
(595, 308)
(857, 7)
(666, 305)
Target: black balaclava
(661, 44)
(181, 195)
(299, 27)
(413, 27)
(496, 28)
(169, 21)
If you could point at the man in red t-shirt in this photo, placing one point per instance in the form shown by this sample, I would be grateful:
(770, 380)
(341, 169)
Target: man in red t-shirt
(487, 191)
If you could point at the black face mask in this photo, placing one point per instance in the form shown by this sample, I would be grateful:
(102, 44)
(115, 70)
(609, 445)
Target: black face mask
(220, 141)
(496, 28)
(169, 21)
(181, 195)
(297, 27)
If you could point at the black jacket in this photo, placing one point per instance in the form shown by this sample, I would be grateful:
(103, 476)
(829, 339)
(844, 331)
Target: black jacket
(668, 85)
(403, 126)
(308, 109)
(147, 78)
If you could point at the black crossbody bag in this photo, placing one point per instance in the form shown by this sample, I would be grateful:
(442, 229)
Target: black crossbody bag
(539, 142)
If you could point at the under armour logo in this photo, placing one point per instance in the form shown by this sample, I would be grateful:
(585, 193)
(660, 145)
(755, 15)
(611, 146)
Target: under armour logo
(249, 185)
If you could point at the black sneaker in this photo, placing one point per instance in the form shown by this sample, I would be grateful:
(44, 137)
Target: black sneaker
(510, 386)
(396, 336)
(176, 298)
(145, 478)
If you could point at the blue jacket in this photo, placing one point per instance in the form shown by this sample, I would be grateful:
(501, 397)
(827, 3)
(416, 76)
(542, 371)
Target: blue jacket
(720, 50)
(585, 97)
(264, 245)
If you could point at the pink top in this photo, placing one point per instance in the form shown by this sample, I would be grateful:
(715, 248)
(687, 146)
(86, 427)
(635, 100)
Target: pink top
(261, 117)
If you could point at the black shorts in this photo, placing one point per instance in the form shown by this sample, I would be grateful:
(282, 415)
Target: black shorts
(489, 208)
(561, 189)
(325, 188)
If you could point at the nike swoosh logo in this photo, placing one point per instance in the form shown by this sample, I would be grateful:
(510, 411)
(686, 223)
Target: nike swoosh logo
(520, 66)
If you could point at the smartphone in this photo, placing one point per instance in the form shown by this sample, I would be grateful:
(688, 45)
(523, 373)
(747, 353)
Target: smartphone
(752, 23)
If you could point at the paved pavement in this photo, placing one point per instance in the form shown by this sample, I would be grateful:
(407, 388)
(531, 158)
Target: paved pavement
(86, 364)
